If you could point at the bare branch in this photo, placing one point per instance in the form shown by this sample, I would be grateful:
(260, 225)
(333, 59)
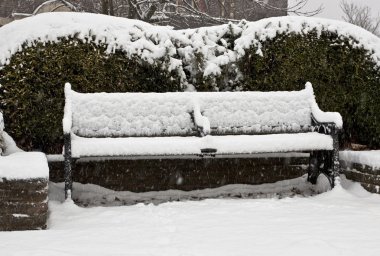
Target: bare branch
(192, 13)
(361, 16)
(296, 8)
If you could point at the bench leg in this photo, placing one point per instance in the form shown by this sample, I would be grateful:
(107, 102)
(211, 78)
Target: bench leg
(68, 167)
(335, 157)
(314, 167)
(68, 179)
(320, 162)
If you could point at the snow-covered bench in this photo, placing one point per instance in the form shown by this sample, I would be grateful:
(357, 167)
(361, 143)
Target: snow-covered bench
(199, 124)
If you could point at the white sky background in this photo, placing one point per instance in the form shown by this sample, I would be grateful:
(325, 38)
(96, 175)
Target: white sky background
(332, 7)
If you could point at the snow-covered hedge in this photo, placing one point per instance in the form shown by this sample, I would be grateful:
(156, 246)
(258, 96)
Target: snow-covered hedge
(102, 53)
(345, 76)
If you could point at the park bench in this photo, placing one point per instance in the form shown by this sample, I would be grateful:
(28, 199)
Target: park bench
(199, 124)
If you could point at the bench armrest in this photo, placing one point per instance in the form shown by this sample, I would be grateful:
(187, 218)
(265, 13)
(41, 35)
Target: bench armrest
(320, 117)
(67, 115)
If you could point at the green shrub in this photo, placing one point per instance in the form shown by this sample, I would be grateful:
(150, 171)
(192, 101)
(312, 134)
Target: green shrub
(32, 86)
(345, 79)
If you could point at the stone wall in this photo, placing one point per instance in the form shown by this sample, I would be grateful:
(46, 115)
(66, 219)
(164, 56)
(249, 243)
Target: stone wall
(181, 174)
(368, 176)
(23, 204)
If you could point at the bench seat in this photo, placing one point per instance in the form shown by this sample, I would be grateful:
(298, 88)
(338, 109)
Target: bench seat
(229, 144)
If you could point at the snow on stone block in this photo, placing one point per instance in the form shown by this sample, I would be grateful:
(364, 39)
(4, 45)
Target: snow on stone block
(363, 167)
(23, 191)
(370, 158)
(230, 144)
(24, 165)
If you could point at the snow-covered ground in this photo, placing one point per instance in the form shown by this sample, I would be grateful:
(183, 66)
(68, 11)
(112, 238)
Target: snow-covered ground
(94, 195)
(344, 221)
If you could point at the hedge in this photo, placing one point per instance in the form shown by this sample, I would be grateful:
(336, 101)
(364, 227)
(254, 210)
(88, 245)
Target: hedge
(345, 79)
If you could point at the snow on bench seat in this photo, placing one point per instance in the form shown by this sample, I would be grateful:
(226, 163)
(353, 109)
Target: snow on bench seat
(229, 144)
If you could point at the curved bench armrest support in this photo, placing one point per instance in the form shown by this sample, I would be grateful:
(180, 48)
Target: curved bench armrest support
(320, 117)
(202, 122)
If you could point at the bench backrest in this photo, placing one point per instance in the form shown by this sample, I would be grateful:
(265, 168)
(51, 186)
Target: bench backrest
(258, 112)
(130, 114)
(178, 114)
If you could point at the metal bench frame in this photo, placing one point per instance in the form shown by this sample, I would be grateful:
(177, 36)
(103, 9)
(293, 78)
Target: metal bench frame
(321, 161)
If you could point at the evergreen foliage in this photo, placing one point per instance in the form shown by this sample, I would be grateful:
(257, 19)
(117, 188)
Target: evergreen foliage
(345, 79)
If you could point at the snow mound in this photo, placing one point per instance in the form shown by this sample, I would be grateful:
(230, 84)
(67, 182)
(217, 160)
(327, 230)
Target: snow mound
(135, 38)
(256, 32)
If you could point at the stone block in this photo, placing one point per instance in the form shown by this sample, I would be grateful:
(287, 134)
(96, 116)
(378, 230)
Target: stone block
(23, 191)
